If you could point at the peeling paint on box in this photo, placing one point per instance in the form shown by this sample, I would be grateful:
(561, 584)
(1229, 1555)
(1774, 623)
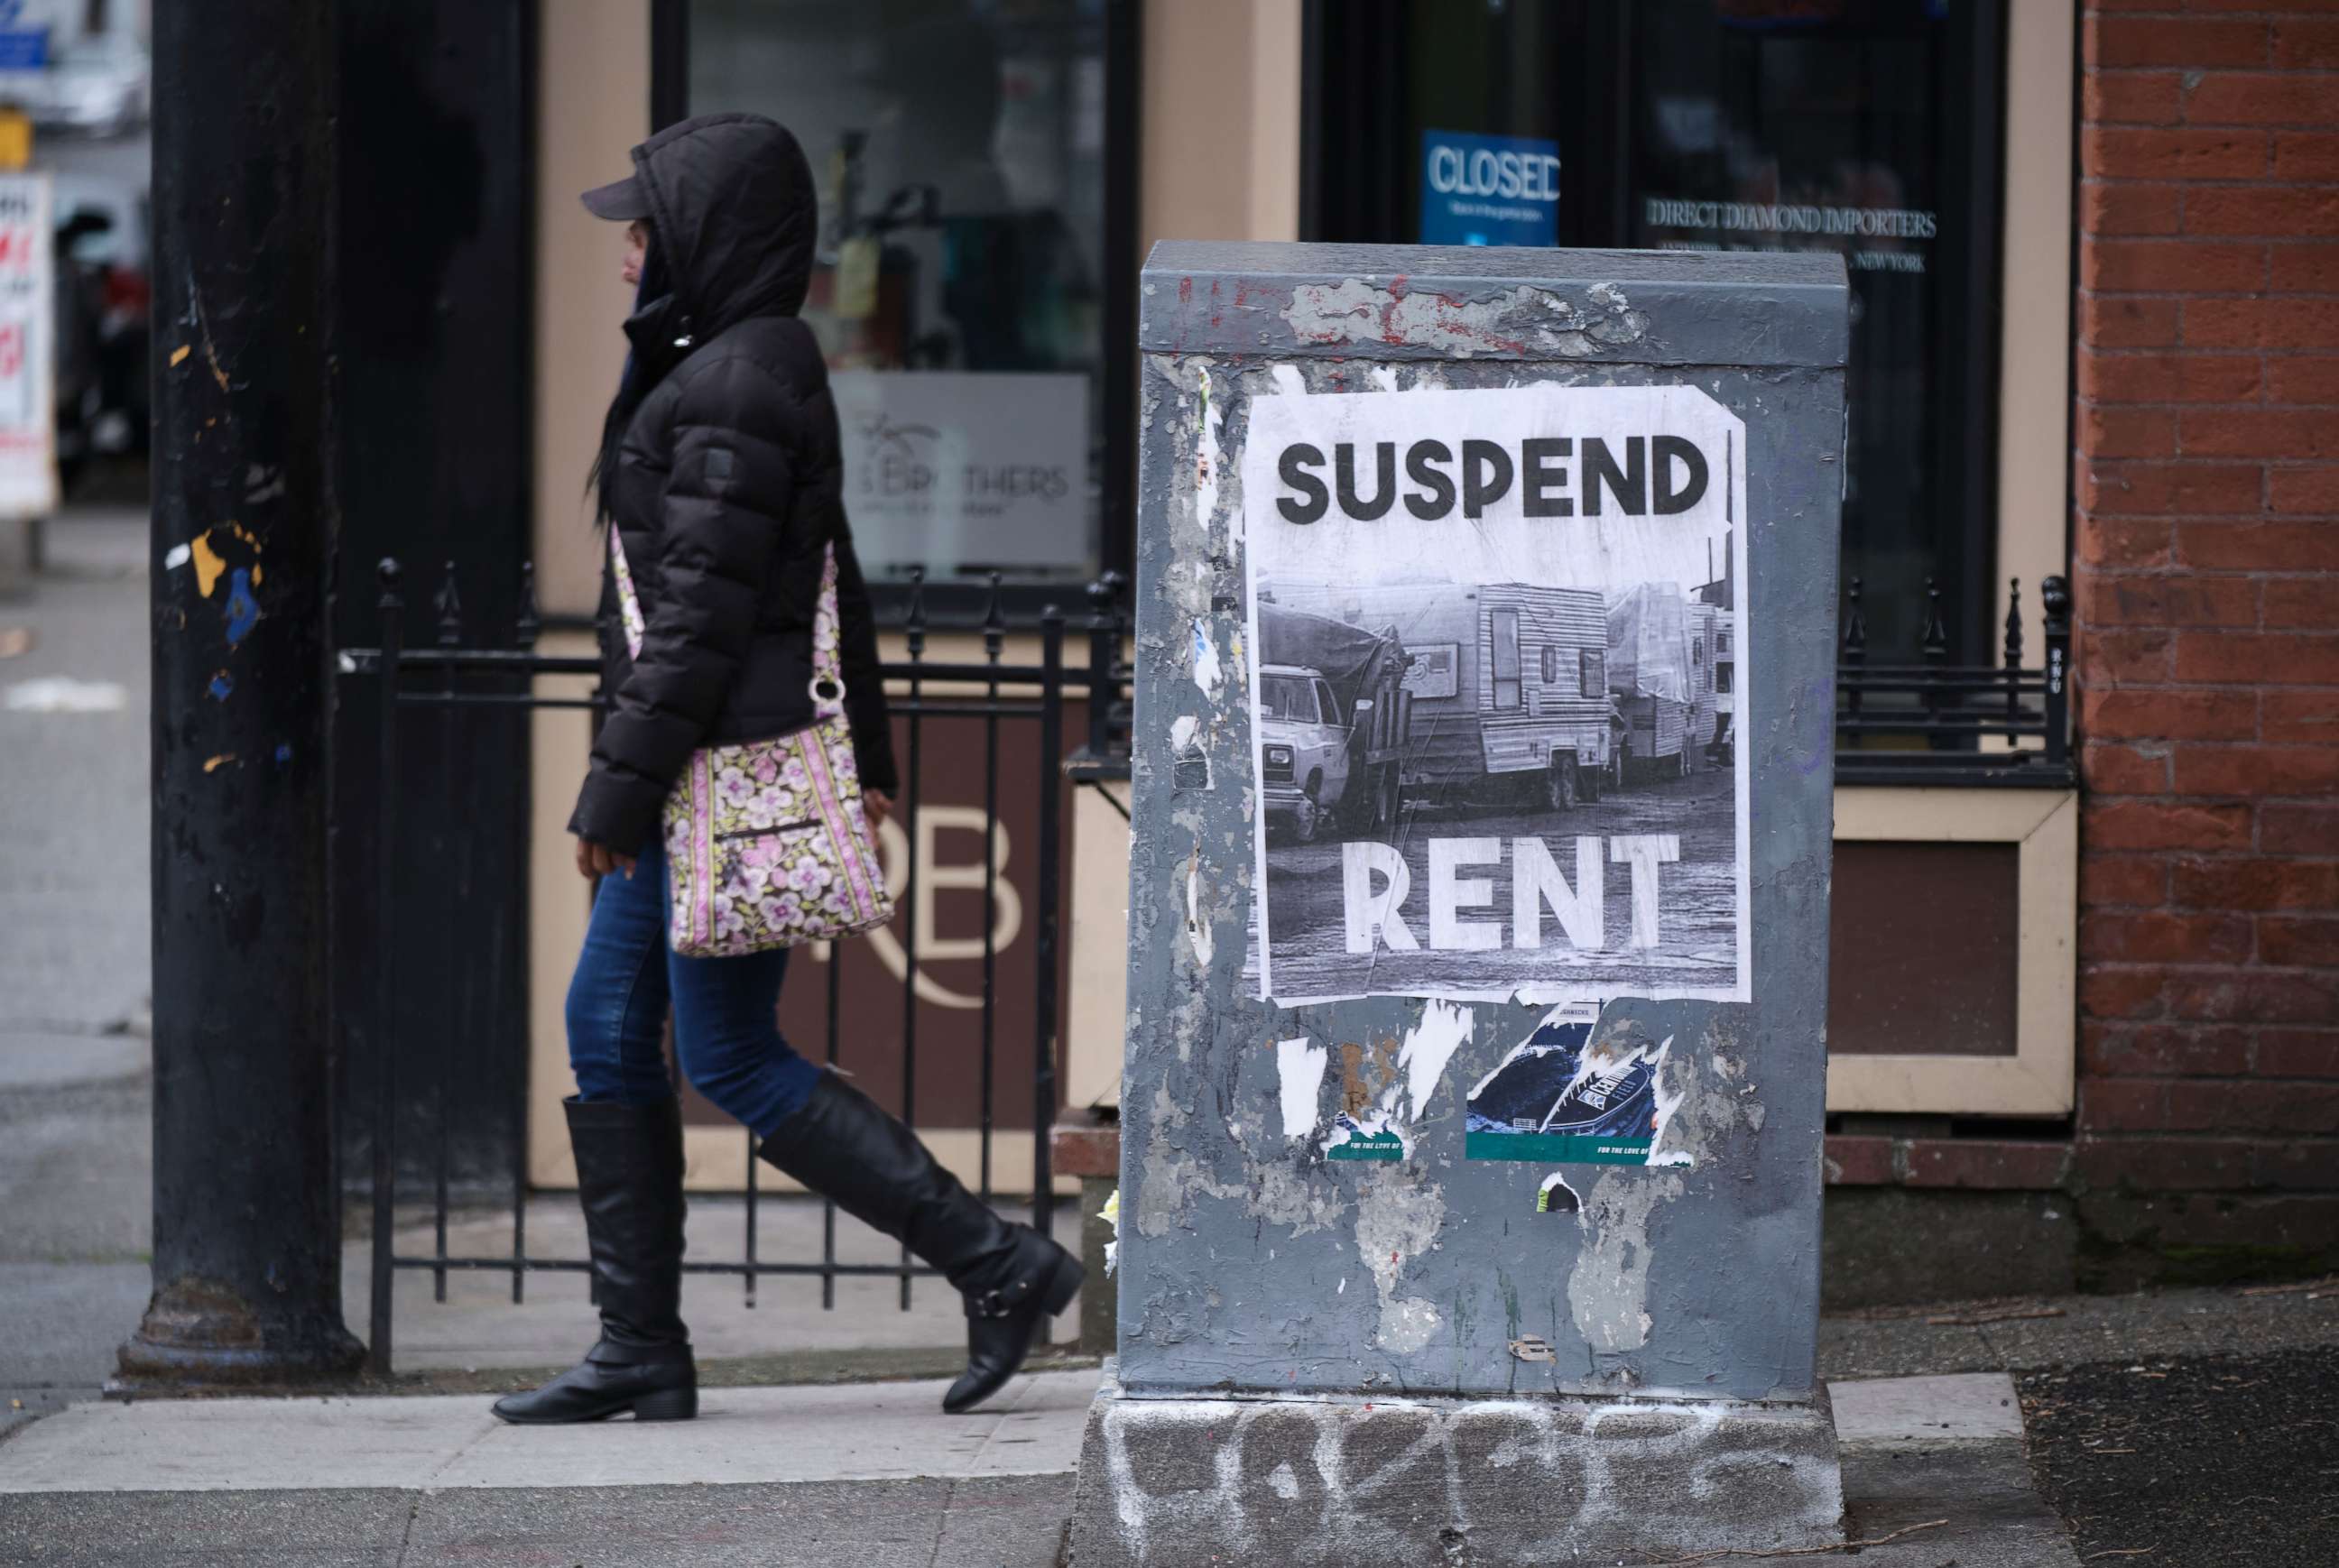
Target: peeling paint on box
(1197, 929)
(1207, 460)
(1520, 323)
(1608, 1292)
(1397, 1220)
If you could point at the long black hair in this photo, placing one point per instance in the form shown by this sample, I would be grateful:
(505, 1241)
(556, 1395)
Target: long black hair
(647, 363)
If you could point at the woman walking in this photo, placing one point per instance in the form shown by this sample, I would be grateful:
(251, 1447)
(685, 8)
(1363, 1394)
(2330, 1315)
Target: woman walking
(732, 608)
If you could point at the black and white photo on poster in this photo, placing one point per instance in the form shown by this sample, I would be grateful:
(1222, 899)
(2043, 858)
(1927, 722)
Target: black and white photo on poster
(1498, 668)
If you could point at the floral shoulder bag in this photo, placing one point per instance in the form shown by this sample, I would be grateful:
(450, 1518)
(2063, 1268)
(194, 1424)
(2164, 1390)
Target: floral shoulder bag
(766, 843)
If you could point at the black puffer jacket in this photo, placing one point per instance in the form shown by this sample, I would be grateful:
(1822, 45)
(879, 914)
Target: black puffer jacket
(727, 482)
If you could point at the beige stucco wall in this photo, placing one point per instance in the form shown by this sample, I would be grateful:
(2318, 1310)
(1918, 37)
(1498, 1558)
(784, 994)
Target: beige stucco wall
(2035, 382)
(592, 106)
(1219, 154)
(593, 98)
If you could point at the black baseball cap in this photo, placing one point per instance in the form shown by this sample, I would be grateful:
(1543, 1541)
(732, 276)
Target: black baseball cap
(621, 200)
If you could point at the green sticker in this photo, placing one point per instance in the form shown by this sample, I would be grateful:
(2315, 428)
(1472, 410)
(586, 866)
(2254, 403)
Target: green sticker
(1556, 1146)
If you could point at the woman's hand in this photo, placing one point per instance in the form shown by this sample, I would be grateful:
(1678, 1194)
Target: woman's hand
(876, 805)
(596, 859)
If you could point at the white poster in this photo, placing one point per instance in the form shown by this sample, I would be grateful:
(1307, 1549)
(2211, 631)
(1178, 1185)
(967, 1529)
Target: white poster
(966, 469)
(28, 467)
(1496, 636)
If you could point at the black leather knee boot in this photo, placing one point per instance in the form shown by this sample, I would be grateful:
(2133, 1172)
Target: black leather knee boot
(842, 1145)
(629, 1179)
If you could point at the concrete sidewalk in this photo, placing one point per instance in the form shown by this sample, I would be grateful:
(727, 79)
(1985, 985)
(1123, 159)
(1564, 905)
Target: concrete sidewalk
(866, 1475)
(76, 1126)
(869, 1431)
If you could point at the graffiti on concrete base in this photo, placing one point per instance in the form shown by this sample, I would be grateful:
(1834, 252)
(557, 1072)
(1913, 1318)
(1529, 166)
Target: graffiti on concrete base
(1184, 1474)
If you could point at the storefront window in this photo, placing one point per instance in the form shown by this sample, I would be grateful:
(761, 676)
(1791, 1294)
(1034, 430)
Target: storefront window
(959, 146)
(1871, 128)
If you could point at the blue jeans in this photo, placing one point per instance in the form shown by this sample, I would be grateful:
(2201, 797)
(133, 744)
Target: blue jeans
(727, 1033)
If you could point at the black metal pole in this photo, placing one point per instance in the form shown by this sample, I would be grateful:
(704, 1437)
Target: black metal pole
(914, 637)
(247, 1246)
(385, 1032)
(2055, 598)
(1044, 1027)
(994, 637)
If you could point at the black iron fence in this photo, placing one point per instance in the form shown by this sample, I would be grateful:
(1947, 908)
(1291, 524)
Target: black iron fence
(1920, 721)
(1013, 704)
(1925, 720)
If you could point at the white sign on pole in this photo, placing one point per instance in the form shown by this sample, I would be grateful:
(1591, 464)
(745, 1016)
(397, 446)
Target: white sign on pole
(28, 459)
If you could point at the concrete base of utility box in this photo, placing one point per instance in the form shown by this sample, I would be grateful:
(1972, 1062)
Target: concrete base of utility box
(1348, 1479)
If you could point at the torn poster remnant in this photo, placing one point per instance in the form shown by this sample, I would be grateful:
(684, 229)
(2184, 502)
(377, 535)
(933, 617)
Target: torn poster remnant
(1207, 675)
(1442, 1029)
(1369, 1138)
(1301, 1064)
(1558, 1097)
(1555, 1196)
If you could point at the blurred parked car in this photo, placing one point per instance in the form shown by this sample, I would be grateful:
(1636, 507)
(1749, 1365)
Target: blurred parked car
(76, 365)
(104, 278)
(99, 87)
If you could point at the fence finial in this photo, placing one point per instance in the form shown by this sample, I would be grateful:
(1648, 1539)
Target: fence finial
(1935, 645)
(2055, 598)
(449, 605)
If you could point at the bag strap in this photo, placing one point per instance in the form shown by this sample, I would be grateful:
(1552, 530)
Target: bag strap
(827, 638)
(629, 604)
(827, 627)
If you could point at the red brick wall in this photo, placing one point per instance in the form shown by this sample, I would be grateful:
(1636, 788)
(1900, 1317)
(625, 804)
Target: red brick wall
(2206, 572)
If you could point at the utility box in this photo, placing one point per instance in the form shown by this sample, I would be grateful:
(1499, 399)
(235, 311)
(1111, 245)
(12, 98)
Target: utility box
(1475, 1068)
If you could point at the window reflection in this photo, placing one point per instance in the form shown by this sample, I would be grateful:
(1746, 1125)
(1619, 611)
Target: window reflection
(959, 149)
(1827, 125)
(1871, 128)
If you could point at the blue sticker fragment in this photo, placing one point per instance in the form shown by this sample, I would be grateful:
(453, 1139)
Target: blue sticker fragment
(284, 752)
(242, 609)
(222, 685)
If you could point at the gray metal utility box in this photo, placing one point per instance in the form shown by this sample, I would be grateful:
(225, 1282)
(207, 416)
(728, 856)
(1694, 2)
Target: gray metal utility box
(1476, 1070)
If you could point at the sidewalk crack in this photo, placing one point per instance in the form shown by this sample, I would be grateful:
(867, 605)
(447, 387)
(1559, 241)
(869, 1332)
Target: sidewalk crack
(406, 1539)
(431, 1481)
(941, 1530)
(422, 1494)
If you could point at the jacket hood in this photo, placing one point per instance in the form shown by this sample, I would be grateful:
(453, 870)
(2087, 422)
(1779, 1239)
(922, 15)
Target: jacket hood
(735, 215)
